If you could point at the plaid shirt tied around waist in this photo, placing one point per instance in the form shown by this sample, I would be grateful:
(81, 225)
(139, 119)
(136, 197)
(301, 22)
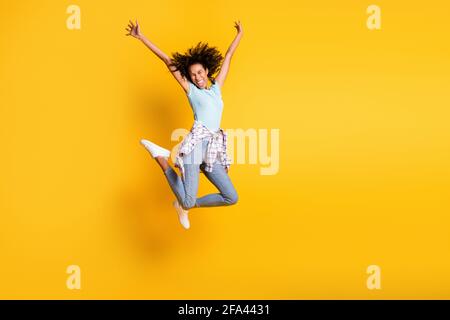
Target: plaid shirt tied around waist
(216, 149)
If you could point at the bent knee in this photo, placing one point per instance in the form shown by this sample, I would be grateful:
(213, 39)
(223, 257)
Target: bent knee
(188, 203)
(232, 198)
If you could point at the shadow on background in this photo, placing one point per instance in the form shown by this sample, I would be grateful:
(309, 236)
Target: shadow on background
(146, 215)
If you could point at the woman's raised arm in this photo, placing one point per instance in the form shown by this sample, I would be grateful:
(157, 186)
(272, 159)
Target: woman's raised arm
(227, 60)
(134, 31)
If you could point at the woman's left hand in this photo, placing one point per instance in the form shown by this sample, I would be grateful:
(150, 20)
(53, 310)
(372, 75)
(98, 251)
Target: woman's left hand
(238, 26)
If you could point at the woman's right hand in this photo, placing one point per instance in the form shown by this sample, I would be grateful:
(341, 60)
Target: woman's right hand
(134, 30)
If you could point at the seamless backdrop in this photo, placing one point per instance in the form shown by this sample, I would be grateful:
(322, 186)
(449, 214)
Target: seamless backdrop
(364, 151)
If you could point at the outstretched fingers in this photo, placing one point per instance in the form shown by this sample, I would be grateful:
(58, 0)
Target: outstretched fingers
(131, 28)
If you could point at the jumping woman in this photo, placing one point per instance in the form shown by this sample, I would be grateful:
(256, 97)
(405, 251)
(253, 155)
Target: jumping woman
(205, 146)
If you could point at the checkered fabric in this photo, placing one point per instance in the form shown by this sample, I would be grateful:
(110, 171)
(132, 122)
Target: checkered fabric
(217, 146)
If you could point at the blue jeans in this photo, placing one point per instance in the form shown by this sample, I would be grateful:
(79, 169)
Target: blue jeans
(186, 190)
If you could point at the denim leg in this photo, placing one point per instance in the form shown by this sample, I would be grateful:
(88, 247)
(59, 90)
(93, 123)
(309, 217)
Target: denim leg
(186, 190)
(219, 177)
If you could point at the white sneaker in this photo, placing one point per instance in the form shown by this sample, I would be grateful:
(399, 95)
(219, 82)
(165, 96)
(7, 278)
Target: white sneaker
(182, 214)
(155, 150)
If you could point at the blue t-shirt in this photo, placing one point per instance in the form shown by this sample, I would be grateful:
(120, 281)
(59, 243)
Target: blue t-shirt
(207, 105)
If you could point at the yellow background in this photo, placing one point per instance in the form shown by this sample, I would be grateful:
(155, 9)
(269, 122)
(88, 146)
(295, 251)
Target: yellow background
(364, 172)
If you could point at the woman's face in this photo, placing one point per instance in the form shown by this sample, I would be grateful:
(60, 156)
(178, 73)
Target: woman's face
(199, 75)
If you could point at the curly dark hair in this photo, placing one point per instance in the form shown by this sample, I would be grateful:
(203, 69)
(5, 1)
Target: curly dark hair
(209, 57)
